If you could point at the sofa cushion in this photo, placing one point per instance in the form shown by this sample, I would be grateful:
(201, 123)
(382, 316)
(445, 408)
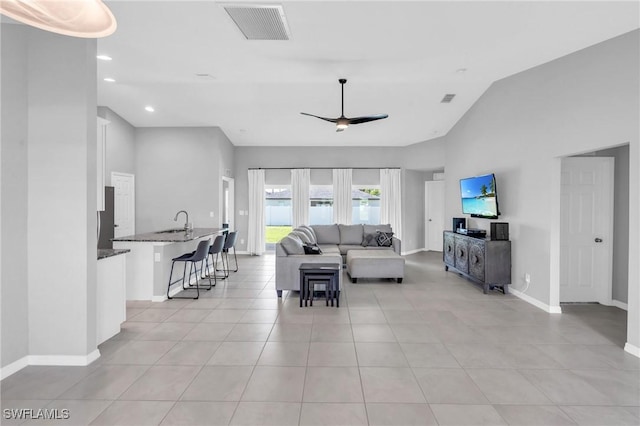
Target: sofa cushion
(292, 244)
(302, 235)
(329, 248)
(327, 234)
(311, 232)
(351, 234)
(344, 248)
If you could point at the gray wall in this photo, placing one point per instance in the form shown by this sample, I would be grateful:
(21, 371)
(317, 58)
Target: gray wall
(120, 147)
(423, 156)
(48, 196)
(620, 221)
(180, 169)
(523, 125)
(13, 184)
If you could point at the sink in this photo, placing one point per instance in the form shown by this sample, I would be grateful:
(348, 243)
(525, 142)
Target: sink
(171, 231)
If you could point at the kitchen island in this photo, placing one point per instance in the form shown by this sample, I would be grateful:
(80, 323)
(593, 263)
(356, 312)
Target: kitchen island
(149, 262)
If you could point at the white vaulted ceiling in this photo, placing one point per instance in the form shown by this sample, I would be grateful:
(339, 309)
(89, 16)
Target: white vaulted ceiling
(400, 58)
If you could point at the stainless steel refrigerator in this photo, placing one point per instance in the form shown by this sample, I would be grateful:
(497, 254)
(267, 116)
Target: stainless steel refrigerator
(105, 220)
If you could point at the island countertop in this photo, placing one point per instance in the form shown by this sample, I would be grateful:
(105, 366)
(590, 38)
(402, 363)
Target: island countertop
(172, 235)
(105, 253)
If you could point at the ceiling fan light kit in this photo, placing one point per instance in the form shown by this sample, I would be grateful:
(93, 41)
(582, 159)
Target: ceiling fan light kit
(75, 18)
(342, 122)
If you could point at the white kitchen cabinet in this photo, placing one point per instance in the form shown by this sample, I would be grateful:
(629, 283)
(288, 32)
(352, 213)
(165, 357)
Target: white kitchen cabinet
(111, 305)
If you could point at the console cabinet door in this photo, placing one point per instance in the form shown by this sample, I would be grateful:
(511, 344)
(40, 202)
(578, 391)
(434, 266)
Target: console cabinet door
(448, 251)
(476, 259)
(462, 254)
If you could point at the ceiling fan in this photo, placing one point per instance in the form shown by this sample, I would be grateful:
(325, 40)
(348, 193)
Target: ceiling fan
(343, 122)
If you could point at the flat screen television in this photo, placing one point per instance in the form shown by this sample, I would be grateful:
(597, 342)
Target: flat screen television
(479, 196)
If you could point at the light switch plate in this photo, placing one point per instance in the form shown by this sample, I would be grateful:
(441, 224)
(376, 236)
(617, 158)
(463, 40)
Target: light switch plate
(156, 257)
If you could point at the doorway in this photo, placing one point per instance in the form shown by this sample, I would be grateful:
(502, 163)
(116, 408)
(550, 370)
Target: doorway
(227, 198)
(434, 199)
(124, 213)
(586, 229)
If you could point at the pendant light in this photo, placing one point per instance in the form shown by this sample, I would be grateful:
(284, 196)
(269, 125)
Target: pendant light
(75, 18)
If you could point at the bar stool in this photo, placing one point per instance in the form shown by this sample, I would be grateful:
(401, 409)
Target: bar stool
(193, 258)
(229, 243)
(214, 250)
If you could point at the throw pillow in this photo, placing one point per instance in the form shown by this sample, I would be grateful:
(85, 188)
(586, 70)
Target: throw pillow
(302, 235)
(312, 249)
(369, 240)
(384, 238)
(292, 244)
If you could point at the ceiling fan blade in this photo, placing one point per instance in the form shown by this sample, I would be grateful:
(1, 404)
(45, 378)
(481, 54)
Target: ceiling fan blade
(332, 120)
(367, 118)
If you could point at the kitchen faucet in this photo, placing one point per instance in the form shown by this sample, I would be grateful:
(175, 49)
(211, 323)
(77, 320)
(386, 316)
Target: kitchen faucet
(187, 226)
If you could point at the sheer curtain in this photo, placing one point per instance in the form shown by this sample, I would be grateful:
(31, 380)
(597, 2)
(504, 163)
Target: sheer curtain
(391, 199)
(342, 210)
(300, 181)
(255, 235)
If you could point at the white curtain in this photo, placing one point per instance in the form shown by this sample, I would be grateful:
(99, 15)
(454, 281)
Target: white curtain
(300, 181)
(342, 210)
(255, 236)
(391, 199)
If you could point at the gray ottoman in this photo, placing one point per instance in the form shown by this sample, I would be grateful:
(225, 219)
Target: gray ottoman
(374, 264)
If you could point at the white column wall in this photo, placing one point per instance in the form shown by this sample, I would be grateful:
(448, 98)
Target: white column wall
(61, 233)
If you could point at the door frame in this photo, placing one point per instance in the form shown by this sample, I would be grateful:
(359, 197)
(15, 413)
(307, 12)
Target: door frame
(133, 195)
(555, 174)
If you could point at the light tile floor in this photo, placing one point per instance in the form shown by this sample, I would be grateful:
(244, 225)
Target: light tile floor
(432, 350)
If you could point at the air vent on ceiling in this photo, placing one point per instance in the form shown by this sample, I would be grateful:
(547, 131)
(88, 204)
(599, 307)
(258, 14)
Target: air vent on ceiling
(447, 98)
(259, 21)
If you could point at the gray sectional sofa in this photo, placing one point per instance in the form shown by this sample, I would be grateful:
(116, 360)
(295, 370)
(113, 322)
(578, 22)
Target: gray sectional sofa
(335, 241)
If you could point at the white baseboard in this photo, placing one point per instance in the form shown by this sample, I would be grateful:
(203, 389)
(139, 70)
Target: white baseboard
(632, 349)
(14, 367)
(53, 360)
(536, 302)
(406, 253)
(75, 360)
(619, 304)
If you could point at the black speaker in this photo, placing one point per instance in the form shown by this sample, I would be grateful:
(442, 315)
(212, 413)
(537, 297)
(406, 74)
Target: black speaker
(499, 231)
(459, 223)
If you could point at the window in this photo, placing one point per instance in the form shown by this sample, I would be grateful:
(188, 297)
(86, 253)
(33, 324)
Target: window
(321, 204)
(365, 201)
(277, 215)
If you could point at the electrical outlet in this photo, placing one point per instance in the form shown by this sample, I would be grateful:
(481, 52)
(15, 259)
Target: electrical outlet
(241, 240)
(527, 277)
(210, 214)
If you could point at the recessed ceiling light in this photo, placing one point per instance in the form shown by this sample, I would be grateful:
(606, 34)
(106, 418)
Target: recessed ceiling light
(461, 70)
(149, 108)
(104, 57)
(110, 80)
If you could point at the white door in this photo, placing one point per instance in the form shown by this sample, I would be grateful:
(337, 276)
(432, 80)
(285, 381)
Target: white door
(227, 196)
(586, 229)
(124, 204)
(434, 214)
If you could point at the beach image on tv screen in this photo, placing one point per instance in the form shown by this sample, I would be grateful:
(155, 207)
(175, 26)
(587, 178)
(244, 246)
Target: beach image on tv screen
(479, 196)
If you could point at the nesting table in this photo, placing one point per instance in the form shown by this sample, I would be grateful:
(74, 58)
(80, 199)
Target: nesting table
(320, 273)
